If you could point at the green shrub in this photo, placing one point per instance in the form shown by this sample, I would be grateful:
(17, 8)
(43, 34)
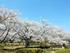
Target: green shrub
(68, 45)
(63, 51)
(30, 50)
(1, 45)
(44, 45)
(39, 51)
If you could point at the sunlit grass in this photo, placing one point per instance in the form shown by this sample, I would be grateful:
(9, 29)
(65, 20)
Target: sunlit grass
(63, 51)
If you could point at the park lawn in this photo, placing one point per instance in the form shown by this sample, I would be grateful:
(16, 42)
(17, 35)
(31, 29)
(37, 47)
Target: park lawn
(13, 47)
(45, 50)
(40, 50)
(63, 51)
(35, 50)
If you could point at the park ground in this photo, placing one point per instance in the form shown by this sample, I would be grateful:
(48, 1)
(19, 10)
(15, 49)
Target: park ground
(10, 48)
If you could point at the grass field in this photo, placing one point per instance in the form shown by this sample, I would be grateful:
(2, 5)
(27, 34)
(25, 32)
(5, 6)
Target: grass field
(21, 49)
(63, 51)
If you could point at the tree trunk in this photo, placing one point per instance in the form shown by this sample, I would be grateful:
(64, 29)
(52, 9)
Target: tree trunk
(5, 36)
(64, 45)
(27, 44)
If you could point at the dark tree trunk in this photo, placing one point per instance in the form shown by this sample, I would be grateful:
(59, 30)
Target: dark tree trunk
(5, 36)
(27, 41)
(64, 45)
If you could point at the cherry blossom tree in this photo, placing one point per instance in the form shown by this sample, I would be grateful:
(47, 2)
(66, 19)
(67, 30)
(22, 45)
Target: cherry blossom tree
(7, 21)
(13, 29)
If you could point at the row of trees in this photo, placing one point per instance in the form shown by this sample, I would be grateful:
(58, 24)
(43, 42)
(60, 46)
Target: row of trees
(12, 30)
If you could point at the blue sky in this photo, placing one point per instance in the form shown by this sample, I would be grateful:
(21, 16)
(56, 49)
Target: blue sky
(57, 12)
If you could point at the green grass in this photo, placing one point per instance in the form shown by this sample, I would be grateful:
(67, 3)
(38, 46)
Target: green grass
(30, 50)
(1, 46)
(33, 50)
(63, 51)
